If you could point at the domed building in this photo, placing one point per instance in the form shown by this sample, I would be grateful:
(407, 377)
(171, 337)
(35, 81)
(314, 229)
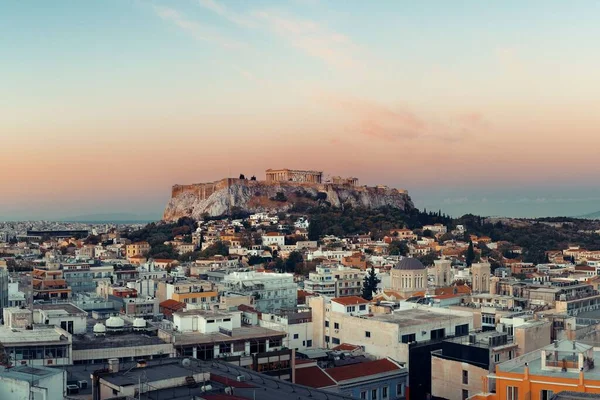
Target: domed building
(409, 276)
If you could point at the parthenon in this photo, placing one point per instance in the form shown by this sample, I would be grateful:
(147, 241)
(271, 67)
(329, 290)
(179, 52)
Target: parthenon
(287, 175)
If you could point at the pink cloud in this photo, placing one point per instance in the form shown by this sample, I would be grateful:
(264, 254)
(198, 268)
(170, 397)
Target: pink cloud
(378, 121)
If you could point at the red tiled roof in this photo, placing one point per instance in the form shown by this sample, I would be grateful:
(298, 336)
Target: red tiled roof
(584, 268)
(346, 347)
(350, 300)
(313, 377)
(362, 369)
(172, 304)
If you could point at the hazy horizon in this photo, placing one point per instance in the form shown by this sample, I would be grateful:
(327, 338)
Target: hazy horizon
(482, 107)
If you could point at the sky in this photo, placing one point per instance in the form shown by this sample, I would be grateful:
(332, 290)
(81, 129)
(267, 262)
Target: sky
(484, 107)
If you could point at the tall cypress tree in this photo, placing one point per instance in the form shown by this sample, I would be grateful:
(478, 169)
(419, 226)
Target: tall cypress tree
(470, 257)
(370, 284)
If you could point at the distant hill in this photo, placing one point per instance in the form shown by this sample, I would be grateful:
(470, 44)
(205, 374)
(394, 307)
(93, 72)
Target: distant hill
(250, 196)
(112, 217)
(594, 215)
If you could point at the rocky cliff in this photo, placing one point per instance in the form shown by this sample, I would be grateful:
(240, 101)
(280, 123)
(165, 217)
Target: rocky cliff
(216, 198)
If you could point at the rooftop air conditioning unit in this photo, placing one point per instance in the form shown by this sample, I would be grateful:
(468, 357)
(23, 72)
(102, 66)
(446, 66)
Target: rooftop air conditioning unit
(240, 378)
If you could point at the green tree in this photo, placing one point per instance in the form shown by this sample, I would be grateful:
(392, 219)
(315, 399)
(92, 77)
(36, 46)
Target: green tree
(370, 284)
(398, 248)
(470, 256)
(292, 261)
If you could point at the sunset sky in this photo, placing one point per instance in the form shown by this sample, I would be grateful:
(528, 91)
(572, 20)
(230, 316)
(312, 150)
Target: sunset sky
(489, 107)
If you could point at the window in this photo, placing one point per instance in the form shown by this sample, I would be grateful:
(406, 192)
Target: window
(335, 340)
(400, 389)
(374, 394)
(367, 334)
(546, 394)
(362, 307)
(309, 343)
(326, 339)
(465, 394)
(384, 392)
(465, 376)
(295, 336)
(497, 357)
(438, 334)
(336, 325)
(363, 394)
(411, 337)
(326, 324)
(461, 330)
(512, 393)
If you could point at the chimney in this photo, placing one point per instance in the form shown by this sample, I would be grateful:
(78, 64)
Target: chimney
(113, 365)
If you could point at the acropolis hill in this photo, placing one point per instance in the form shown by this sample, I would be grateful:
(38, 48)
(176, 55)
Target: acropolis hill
(281, 191)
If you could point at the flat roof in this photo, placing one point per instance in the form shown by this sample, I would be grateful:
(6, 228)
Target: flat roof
(151, 373)
(415, 316)
(245, 332)
(26, 373)
(40, 334)
(204, 313)
(69, 308)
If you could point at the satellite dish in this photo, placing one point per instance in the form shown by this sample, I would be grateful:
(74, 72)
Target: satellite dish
(186, 362)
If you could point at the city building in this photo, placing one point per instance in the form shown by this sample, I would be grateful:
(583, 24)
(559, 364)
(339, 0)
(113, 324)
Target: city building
(442, 272)
(64, 315)
(137, 249)
(322, 282)
(209, 335)
(382, 379)
(4, 288)
(270, 291)
(297, 325)
(347, 320)
(16, 298)
(49, 283)
(42, 345)
(481, 273)
(273, 239)
(25, 382)
(459, 368)
(562, 366)
(409, 276)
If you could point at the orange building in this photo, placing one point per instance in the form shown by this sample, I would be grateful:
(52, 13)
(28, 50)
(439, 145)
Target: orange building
(49, 284)
(562, 366)
(137, 249)
(196, 297)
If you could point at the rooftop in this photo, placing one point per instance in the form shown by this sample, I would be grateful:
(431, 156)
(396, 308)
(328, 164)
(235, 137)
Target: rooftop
(39, 334)
(314, 377)
(203, 313)
(418, 316)
(66, 307)
(361, 370)
(243, 333)
(350, 300)
(29, 374)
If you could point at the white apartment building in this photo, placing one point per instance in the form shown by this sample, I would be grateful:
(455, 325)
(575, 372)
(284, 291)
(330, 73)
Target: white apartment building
(297, 324)
(273, 238)
(271, 291)
(335, 281)
(383, 334)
